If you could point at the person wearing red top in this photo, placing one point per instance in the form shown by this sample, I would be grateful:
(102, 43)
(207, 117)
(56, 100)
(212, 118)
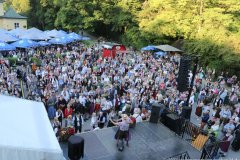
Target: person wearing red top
(68, 111)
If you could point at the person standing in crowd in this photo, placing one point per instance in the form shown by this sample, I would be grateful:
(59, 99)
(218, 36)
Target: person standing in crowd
(205, 119)
(82, 79)
(101, 120)
(198, 111)
(224, 145)
(59, 115)
(94, 121)
(78, 122)
(68, 112)
(236, 141)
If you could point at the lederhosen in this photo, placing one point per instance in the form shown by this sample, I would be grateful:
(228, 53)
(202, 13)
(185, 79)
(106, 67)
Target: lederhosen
(101, 124)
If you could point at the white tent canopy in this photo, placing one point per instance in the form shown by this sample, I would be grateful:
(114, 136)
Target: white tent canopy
(26, 132)
(167, 48)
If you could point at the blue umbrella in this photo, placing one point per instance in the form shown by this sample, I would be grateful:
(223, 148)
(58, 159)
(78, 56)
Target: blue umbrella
(85, 38)
(149, 48)
(74, 36)
(17, 32)
(58, 41)
(6, 47)
(68, 39)
(160, 53)
(3, 31)
(7, 37)
(25, 43)
(61, 31)
(35, 36)
(55, 33)
(43, 43)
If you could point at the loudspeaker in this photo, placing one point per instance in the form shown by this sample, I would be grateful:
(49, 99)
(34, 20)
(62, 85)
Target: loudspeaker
(75, 147)
(182, 79)
(155, 113)
(186, 112)
(174, 123)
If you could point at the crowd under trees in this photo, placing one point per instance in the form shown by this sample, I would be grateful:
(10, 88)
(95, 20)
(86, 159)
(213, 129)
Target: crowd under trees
(209, 28)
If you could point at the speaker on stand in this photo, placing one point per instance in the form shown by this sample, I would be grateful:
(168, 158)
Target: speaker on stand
(155, 113)
(186, 112)
(183, 81)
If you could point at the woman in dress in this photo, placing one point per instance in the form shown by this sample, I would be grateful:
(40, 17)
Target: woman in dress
(93, 120)
(56, 126)
(224, 145)
(97, 104)
(112, 115)
(92, 104)
(59, 115)
(70, 123)
(123, 131)
(198, 111)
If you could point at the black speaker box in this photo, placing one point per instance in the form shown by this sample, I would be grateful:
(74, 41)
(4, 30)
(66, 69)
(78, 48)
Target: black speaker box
(186, 112)
(174, 123)
(183, 74)
(75, 147)
(155, 113)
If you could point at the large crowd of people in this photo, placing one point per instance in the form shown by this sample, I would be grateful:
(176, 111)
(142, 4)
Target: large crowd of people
(76, 85)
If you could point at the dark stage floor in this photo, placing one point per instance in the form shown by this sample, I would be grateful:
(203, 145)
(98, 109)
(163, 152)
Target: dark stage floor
(148, 142)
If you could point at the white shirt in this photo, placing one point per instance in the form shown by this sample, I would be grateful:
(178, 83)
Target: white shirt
(138, 117)
(82, 100)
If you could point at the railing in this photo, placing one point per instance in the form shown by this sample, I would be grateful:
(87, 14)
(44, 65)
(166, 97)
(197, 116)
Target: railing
(183, 155)
(210, 151)
(198, 138)
(194, 135)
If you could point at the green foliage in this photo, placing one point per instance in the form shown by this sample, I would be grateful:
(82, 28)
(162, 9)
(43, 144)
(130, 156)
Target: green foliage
(58, 55)
(21, 6)
(89, 43)
(36, 61)
(12, 60)
(210, 28)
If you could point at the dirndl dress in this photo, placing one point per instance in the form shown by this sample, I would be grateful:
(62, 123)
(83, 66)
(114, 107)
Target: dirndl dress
(121, 134)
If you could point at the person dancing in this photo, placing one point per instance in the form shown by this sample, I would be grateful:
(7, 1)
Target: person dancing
(123, 131)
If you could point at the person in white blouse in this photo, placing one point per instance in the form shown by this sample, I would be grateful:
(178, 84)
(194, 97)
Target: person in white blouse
(137, 115)
(94, 122)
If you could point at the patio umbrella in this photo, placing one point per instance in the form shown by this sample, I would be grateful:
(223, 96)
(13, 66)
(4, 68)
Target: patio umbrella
(160, 53)
(7, 37)
(61, 31)
(61, 41)
(34, 30)
(149, 48)
(3, 31)
(25, 43)
(44, 43)
(55, 33)
(6, 47)
(35, 36)
(17, 32)
(74, 36)
(68, 39)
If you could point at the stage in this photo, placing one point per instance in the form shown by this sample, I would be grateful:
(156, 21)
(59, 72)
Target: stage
(148, 141)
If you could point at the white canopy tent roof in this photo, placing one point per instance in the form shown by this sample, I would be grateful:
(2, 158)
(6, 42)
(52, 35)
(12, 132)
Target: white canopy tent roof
(167, 48)
(26, 132)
